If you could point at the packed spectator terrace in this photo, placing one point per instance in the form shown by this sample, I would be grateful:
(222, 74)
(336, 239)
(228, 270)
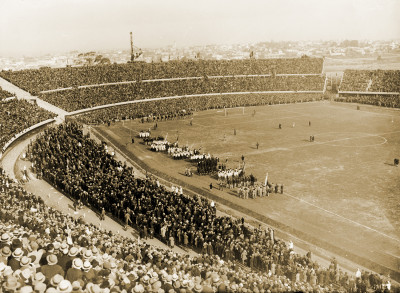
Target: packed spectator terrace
(4, 94)
(384, 81)
(42, 79)
(375, 87)
(176, 108)
(94, 96)
(17, 115)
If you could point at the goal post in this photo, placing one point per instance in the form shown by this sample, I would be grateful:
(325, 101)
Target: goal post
(234, 111)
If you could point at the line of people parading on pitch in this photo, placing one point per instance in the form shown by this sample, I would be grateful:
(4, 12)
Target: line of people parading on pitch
(36, 80)
(76, 99)
(259, 190)
(206, 163)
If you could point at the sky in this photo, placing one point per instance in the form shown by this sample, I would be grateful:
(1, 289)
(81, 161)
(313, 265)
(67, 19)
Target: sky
(33, 27)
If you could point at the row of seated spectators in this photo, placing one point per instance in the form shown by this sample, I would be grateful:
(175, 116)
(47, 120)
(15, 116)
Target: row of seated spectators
(36, 80)
(390, 101)
(72, 100)
(5, 94)
(17, 115)
(84, 170)
(179, 107)
(371, 81)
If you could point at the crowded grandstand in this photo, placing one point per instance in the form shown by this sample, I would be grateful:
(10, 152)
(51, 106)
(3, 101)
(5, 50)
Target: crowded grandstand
(374, 87)
(45, 250)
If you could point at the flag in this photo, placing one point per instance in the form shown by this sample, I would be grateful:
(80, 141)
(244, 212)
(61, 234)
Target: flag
(266, 180)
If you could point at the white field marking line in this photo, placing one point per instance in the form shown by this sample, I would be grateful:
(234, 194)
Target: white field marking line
(130, 129)
(282, 148)
(363, 111)
(252, 121)
(344, 218)
(342, 139)
(362, 146)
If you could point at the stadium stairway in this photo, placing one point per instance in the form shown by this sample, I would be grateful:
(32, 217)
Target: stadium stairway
(22, 94)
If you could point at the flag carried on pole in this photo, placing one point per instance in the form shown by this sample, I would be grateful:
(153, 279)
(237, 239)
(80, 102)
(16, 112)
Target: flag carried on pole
(266, 180)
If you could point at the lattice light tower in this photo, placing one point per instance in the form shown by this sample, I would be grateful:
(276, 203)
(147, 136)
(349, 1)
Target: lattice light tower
(137, 54)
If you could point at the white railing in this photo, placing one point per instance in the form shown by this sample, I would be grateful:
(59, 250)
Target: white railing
(77, 112)
(174, 79)
(369, 93)
(23, 132)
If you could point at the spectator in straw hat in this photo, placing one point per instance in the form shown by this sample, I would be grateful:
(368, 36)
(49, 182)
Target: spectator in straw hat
(5, 240)
(25, 263)
(39, 287)
(93, 288)
(55, 280)
(26, 289)
(75, 272)
(25, 276)
(198, 288)
(38, 278)
(14, 261)
(11, 284)
(64, 286)
(34, 252)
(52, 268)
(49, 250)
(88, 271)
(76, 287)
(5, 253)
(64, 260)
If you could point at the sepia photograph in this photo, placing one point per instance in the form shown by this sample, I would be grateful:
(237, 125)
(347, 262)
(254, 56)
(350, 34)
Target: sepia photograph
(181, 146)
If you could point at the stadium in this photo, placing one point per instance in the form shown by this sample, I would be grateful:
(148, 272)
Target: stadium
(116, 138)
(250, 168)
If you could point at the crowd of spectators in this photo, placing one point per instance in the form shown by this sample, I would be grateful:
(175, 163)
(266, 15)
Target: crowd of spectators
(5, 94)
(390, 101)
(36, 80)
(386, 81)
(355, 80)
(17, 115)
(84, 170)
(180, 107)
(371, 81)
(44, 250)
(77, 99)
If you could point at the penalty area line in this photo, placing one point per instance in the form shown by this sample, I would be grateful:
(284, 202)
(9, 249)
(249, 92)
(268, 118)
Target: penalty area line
(342, 217)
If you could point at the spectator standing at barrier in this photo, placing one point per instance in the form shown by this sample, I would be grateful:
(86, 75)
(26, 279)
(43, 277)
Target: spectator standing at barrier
(127, 219)
(103, 214)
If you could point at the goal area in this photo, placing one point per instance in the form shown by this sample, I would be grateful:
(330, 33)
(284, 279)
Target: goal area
(233, 111)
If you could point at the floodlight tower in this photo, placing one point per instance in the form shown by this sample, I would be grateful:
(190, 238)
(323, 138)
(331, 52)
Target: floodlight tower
(132, 56)
(138, 51)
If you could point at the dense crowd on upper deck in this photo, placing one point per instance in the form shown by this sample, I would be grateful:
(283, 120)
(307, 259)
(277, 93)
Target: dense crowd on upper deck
(36, 80)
